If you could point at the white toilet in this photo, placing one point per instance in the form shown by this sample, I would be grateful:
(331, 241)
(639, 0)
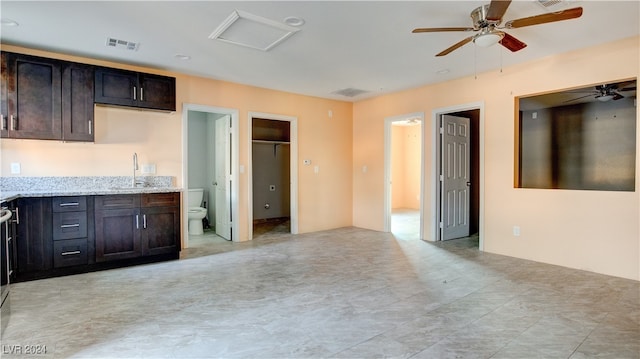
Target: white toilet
(196, 212)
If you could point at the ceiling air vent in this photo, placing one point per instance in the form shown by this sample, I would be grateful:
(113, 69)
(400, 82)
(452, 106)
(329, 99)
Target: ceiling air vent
(248, 30)
(122, 44)
(554, 5)
(350, 92)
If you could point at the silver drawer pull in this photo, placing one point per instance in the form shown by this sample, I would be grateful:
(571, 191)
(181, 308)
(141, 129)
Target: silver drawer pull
(70, 253)
(69, 204)
(70, 225)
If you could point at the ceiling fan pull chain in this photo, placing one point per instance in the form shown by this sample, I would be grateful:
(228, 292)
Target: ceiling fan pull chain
(475, 62)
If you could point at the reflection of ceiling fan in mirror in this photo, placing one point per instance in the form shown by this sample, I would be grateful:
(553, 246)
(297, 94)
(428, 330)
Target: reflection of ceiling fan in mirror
(608, 92)
(487, 20)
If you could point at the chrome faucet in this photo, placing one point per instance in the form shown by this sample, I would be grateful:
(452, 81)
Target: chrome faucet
(134, 183)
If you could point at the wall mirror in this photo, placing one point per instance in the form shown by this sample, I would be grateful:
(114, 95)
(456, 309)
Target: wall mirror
(580, 139)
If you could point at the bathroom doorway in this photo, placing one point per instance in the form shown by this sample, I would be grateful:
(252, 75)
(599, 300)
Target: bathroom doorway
(210, 149)
(273, 174)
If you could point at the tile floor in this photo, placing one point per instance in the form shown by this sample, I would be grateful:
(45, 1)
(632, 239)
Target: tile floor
(343, 293)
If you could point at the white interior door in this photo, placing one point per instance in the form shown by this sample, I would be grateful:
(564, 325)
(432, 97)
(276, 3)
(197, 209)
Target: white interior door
(223, 177)
(456, 182)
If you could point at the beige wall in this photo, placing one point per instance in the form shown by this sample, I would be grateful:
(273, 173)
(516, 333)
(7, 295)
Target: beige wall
(590, 230)
(157, 138)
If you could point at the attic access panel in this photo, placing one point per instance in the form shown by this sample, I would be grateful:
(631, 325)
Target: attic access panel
(248, 30)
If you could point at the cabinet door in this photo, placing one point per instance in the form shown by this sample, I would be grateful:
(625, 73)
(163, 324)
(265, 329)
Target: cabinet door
(117, 234)
(34, 242)
(116, 87)
(4, 111)
(77, 102)
(157, 92)
(33, 97)
(161, 230)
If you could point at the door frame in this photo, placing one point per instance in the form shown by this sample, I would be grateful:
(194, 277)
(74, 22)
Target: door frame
(436, 151)
(293, 166)
(388, 123)
(235, 149)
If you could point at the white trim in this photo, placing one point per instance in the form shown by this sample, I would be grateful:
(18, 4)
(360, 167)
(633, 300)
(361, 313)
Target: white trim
(293, 129)
(388, 122)
(433, 236)
(235, 149)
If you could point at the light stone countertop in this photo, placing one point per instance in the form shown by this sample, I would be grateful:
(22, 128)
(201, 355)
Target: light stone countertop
(13, 188)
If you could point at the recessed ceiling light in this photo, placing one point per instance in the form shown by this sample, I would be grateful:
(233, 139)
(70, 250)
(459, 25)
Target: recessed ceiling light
(9, 22)
(183, 57)
(294, 21)
(442, 72)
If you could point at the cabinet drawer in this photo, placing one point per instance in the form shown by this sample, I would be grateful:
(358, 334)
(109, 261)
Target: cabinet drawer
(70, 252)
(69, 204)
(69, 225)
(118, 201)
(160, 199)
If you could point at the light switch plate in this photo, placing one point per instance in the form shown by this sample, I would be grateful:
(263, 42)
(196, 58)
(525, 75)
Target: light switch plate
(15, 168)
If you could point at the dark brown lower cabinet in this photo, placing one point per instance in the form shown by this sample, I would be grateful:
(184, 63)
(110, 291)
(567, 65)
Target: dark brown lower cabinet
(161, 232)
(66, 235)
(131, 226)
(34, 243)
(117, 234)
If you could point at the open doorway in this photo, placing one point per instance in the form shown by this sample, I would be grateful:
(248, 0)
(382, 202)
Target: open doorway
(273, 174)
(210, 149)
(458, 173)
(404, 174)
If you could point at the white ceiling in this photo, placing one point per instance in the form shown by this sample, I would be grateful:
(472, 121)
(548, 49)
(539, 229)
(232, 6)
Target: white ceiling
(366, 45)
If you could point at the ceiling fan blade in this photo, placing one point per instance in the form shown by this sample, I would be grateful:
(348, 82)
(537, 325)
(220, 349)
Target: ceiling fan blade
(455, 46)
(512, 43)
(497, 8)
(622, 86)
(617, 96)
(441, 29)
(578, 98)
(544, 18)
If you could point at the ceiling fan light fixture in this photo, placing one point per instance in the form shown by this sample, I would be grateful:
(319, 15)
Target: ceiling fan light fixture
(604, 98)
(486, 39)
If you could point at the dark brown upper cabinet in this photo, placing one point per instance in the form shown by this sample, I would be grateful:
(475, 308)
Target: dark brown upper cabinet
(77, 102)
(46, 99)
(135, 89)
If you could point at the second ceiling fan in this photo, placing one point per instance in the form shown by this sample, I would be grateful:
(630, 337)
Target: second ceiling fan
(486, 24)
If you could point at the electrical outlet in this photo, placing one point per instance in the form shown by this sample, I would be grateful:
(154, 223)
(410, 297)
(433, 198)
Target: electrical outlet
(149, 168)
(15, 168)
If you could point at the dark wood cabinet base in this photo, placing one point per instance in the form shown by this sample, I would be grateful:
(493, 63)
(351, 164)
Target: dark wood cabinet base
(71, 270)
